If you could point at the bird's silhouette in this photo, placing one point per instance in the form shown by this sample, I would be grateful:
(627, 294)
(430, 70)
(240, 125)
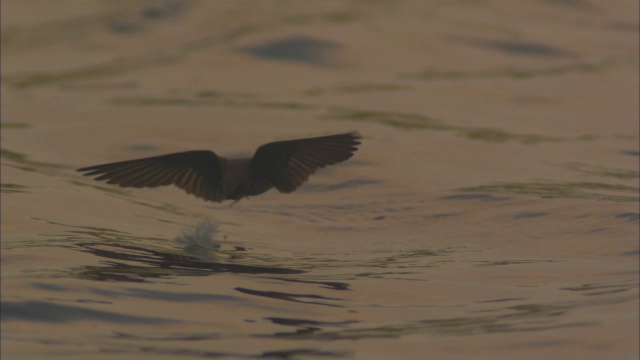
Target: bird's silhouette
(284, 165)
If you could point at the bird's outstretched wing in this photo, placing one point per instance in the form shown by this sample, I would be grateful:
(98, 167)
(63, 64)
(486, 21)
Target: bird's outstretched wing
(288, 164)
(196, 172)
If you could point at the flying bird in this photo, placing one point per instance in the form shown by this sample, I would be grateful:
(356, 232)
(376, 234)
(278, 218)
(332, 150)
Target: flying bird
(284, 165)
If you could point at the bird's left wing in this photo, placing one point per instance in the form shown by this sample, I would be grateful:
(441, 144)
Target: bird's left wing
(288, 164)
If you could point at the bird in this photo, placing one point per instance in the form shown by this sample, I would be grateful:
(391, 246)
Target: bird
(285, 165)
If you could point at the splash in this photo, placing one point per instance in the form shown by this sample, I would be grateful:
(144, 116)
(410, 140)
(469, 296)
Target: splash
(199, 238)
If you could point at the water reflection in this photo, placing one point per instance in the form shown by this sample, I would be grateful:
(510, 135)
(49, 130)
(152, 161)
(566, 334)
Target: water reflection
(291, 297)
(158, 264)
(43, 311)
(412, 121)
(284, 354)
(516, 47)
(140, 20)
(519, 318)
(304, 49)
(563, 189)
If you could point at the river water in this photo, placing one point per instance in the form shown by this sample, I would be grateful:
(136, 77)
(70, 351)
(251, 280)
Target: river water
(491, 211)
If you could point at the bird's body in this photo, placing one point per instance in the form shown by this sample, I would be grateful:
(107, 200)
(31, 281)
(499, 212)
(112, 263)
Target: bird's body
(284, 165)
(235, 179)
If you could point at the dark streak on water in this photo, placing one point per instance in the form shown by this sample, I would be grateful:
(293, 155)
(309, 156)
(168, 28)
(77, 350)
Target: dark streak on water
(43, 311)
(158, 264)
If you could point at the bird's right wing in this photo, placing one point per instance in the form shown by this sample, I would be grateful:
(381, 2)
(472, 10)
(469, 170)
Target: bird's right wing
(196, 172)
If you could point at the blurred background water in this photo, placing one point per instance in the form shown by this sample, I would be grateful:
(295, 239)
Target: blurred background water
(491, 211)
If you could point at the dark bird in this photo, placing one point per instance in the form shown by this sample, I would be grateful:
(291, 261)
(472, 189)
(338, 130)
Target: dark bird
(284, 165)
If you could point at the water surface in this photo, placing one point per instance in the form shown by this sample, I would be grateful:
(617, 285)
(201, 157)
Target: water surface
(491, 211)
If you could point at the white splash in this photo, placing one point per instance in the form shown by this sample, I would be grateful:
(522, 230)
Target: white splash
(199, 237)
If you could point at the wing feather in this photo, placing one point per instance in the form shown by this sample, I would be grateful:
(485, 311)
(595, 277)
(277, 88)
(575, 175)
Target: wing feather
(197, 172)
(288, 164)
